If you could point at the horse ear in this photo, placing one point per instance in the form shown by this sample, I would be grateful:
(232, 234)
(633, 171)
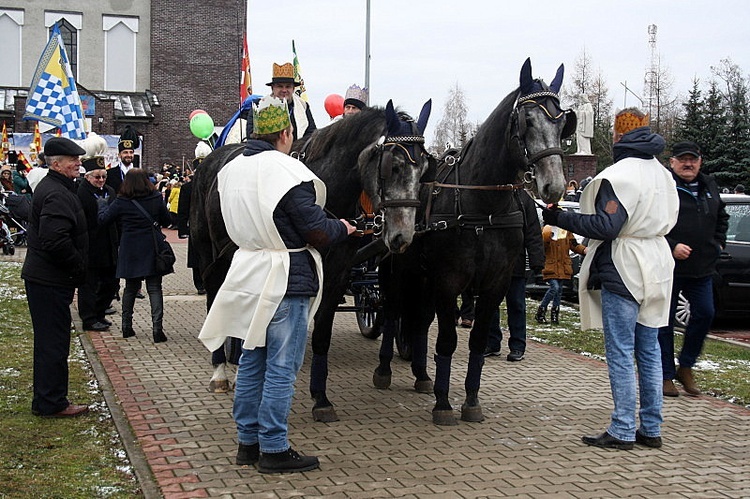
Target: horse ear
(526, 80)
(424, 115)
(557, 80)
(391, 119)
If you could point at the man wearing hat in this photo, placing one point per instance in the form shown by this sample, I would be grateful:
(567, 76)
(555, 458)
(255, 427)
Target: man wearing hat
(101, 281)
(696, 242)
(274, 284)
(55, 265)
(355, 100)
(626, 277)
(126, 147)
(282, 87)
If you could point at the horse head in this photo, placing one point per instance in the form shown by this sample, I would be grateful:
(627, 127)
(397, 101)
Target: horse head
(392, 170)
(538, 125)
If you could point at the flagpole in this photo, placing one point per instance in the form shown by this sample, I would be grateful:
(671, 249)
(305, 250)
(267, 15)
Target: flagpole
(367, 50)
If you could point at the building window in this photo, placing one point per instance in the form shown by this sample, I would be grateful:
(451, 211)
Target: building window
(11, 24)
(70, 24)
(120, 53)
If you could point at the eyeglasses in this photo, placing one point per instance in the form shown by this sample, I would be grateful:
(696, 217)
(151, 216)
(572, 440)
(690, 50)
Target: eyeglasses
(98, 176)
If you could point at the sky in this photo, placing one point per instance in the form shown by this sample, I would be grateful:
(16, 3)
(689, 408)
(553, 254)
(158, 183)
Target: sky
(420, 49)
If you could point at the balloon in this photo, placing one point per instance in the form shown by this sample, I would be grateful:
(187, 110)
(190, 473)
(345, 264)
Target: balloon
(334, 105)
(197, 111)
(202, 125)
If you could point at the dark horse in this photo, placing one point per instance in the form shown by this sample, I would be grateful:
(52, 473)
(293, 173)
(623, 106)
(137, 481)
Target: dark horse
(378, 151)
(473, 233)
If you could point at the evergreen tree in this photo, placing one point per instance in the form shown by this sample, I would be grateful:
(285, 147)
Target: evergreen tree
(713, 140)
(691, 124)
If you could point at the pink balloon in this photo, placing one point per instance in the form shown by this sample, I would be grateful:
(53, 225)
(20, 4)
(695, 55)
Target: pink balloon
(197, 111)
(334, 105)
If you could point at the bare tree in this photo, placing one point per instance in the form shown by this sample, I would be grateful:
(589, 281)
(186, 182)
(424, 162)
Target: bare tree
(453, 130)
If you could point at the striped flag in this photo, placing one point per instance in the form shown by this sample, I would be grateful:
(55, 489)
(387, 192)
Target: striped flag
(4, 144)
(246, 83)
(300, 90)
(36, 144)
(53, 97)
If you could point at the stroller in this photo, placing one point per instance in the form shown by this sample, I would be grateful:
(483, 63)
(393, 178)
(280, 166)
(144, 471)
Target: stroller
(14, 214)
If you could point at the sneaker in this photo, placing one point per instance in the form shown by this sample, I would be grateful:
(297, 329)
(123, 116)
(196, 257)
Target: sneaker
(289, 461)
(515, 356)
(247, 454)
(489, 352)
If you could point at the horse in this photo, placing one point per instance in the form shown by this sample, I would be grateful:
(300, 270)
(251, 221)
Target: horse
(470, 236)
(378, 151)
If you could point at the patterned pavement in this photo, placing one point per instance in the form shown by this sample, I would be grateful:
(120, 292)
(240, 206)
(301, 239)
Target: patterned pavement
(182, 441)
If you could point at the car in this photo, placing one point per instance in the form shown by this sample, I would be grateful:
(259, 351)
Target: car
(535, 285)
(731, 282)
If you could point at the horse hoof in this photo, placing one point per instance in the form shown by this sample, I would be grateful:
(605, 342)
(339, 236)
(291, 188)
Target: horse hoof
(423, 386)
(325, 414)
(218, 386)
(472, 414)
(381, 381)
(444, 417)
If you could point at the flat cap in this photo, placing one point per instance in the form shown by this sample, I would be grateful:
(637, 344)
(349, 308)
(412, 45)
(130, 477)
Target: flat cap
(60, 146)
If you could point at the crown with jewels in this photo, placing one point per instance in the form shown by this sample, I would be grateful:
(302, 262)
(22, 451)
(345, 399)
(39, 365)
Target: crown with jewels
(627, 120)
(356, 93)
(271, 115)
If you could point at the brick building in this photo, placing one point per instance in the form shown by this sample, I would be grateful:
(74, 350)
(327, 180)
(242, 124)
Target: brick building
(147, 63)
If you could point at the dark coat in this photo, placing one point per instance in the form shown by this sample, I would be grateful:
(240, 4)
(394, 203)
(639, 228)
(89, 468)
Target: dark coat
(103, 240)
(702, 224)
(58, 242)
(532, 239)
(137, 252)
(183, 221)
(115, 177)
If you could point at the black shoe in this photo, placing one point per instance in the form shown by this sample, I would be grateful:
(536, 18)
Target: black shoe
(106, 321)
(607, 441)
(97, 326)
(201, 291)
(110, 311)
(641, 439)
(288, 461)
(140, 295)
(489, 352)
(515, 356)
(159, 336)
(247, 454)
(127, 332)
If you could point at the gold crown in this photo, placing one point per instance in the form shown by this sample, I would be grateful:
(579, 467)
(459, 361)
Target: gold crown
(283, 71)
(628, 120)
(271, 115)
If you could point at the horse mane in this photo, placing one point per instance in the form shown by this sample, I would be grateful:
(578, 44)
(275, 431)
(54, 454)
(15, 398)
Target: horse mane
(352, 129)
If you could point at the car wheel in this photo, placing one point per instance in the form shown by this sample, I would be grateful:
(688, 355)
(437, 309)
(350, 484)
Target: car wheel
(682, 314)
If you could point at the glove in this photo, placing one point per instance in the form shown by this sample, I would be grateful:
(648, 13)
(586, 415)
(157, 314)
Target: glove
(551, 215)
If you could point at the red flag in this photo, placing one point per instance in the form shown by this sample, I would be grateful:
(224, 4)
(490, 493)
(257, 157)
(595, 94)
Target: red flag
(37, 142)
(58, 132)
(4, 144)
(22, 159)
(246, 83)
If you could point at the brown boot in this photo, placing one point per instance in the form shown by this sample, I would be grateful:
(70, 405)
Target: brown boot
(669, 389)
(685, 376)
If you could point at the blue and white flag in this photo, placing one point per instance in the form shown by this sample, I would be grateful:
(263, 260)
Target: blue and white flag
(53, 97)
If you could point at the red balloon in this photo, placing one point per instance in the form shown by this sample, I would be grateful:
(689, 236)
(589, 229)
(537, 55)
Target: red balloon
(197, 111)
(334, 105)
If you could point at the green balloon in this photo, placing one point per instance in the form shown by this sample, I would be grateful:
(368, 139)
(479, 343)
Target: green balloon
(202, 126)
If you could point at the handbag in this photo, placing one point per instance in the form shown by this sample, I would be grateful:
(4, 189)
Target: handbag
(165, 257)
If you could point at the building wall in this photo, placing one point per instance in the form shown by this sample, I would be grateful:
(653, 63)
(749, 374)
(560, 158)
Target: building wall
(196, 49)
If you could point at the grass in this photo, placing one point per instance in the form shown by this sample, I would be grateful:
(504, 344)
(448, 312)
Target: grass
(721, 371)
(45, 458)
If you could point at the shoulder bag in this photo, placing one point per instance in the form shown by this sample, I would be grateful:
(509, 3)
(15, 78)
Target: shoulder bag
(165, 257)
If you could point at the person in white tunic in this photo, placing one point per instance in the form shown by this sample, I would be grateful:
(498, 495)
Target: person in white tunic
(272, 208)
(626, 277)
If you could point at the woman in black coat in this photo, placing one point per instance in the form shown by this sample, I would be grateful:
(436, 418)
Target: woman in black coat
(137, 255)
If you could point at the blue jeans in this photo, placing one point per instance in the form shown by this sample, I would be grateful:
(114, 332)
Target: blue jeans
(553, 294)
(699, 292)
(515, 301)
(624, 336)
(266, 376)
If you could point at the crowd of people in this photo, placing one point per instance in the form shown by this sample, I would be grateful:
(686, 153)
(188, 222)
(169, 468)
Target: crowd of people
(651, 232)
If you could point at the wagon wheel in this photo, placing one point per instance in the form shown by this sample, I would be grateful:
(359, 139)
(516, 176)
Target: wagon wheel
(403, 342)
(366, 299)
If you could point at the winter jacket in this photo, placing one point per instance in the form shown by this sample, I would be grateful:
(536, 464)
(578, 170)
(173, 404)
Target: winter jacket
(57, 252)
(702, 224)
(557, 263)
(137, 254)
(103, 240)
(532, 239)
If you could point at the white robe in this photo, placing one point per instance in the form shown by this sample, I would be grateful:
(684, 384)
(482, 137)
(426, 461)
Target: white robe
(250, 188)
(640, 253)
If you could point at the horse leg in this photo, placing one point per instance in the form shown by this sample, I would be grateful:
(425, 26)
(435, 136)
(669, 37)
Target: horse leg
(323, 410)
(442, 413)
(471, 410)
(219, 381)
(381, 378)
